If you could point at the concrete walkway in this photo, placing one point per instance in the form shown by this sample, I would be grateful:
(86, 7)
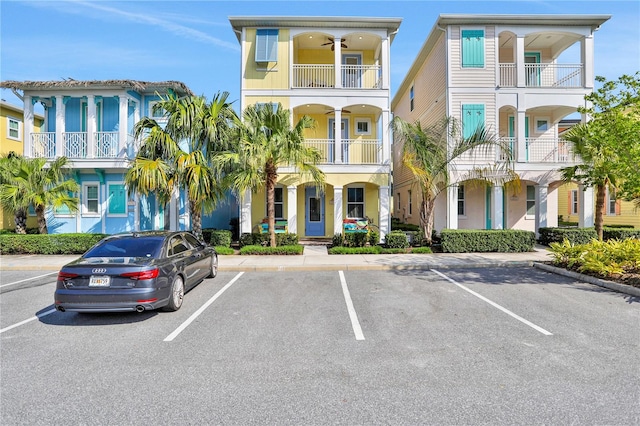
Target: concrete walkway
(315, 258)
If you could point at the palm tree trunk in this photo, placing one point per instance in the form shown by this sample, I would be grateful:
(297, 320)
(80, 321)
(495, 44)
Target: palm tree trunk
(42, 220)
(426, 217)
(196, 219)
(272, 176)
(600, 204)
(20, 219)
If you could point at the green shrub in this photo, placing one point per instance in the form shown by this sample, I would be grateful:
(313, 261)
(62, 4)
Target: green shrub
(217, 238)
(280, 250)
(396, 239)
(48, 243)
(397, 250)
(224, 251)
(355, 250)
(397, 226)
(337, 240)
(574, 235)
(355, 239)
(492, 240)
(374, 238)
(257, 239)
(602, 258)
(619, 233)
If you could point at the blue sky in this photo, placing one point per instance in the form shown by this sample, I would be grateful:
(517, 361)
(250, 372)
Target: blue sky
(192, 41)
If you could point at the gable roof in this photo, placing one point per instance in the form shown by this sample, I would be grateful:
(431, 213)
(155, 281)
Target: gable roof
(138, 86)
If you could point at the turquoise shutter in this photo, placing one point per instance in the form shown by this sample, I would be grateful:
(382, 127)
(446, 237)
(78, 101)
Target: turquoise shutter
(266, 45)
(472, 119)
(117, 199)
(473, 48)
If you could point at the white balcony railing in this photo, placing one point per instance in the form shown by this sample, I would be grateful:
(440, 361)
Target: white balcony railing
(354, 151)
(543, 75)
(75, 144)
(549, 150)
(106, 145)
(43, 144)
(323, 76)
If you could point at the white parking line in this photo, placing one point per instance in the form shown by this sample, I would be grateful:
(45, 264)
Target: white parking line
(357, 330)
(505, 310)
(44, 314)
(195, 315)
(28, 279)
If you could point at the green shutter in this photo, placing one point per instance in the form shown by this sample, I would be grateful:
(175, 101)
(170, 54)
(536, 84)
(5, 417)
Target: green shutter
(266, 45)
(472, 119)
(473, 48)
(117, 199)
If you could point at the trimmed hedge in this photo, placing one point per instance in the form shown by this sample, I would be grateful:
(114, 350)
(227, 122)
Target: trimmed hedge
(493, 240)
(619, 233)
(396, 239)
(574, 235)
(355, 250)
(217, 237)
(48, 243)
(280, 250)
(256, 239)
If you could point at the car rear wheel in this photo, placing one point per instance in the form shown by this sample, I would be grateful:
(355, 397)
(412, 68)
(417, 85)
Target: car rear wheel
(214, 266)
(176, 296)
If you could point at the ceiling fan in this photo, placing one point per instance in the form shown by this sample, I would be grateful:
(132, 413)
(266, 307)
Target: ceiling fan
(332, 42)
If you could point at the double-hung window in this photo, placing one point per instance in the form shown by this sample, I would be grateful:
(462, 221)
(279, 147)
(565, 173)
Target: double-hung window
(13, 128)
(411, 95)
(611, 202)
(473, 48)
(461, 201)
(266, 45)
(355, 202)
(573, 202)
(531, 202)
(91, 199)
(278, 201)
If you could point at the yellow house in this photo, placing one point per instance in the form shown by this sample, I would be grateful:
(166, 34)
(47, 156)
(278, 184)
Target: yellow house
(12, 139)
(336, 70)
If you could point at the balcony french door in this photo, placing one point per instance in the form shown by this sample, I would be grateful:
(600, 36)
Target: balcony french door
(352, 70)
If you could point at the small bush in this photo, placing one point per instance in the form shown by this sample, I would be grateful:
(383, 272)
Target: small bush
(217, 238)
(280, 250)
(574, 235)
(490, 240)
(257, 239)
(356, 239)
(48, 243)
(355, 250)
(337, 240)
(374, 238)
(619, 233)
(396, 239)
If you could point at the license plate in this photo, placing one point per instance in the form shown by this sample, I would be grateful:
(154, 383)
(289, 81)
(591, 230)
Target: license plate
(99, 281)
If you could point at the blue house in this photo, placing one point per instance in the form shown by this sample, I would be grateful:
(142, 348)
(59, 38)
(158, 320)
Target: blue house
(92, 124)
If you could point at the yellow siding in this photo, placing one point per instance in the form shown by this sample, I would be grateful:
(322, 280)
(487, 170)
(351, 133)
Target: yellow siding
(252, 100)
(315, 57)
(473, 77)
(629, 214)
(272, 75)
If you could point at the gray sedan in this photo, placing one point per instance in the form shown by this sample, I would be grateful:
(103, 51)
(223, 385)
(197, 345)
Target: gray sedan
(135, 272)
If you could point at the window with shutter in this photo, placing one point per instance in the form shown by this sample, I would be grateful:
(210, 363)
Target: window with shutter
(472, 119)
(473, 48)
(267, 45)
(117, 202)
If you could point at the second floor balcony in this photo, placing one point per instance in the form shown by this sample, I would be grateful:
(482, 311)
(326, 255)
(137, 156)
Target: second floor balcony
(323, 76)
(351, 151)
(537, 150)
(78, 145)
(543, 75)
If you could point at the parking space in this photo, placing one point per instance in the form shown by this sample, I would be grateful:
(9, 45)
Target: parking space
(264, 347)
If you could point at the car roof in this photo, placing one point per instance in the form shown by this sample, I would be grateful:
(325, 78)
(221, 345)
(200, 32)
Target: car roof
(146, 234)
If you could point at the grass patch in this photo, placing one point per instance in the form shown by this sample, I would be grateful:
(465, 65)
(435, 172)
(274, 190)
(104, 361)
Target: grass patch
(280, 250)
(223, 251)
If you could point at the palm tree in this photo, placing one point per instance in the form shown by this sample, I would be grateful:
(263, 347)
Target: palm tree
(176, 155)
(264, 141)
(31, 181)
(431, 153)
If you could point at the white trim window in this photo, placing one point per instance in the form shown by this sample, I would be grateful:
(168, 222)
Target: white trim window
(14, 129)
(542, 125)
(410, 204)
(574, 202)
(355, 203)
(411, 97)
(362, 126)
(278, 203)
(462, 205)
(91, 199)
(159, 113)
(531, 202)
(611, 202)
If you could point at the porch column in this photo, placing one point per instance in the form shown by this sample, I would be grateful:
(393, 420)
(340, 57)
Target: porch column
(61, 107)
(338, 61)
(497, 207)
(91, 126)
(292, 209)
(27, 126)
(337, 210)
(123, 111)
(245, 213)
(136, 213)
(521, 80)
(385, 208)
(384, 63)
(586, 207)
(452, 207)
(386, 144)
(337, 136)
(541, 207)
(173, 210)
(521, 140)
(136, 118)
(586, 59)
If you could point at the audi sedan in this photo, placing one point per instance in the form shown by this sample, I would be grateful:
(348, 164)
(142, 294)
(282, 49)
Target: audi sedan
(135, 272)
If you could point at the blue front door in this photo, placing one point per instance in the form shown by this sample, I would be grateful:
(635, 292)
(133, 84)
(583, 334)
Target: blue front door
(314, 214)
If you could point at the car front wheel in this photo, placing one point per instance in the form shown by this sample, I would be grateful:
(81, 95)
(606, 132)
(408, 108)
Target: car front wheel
(214, 266)
(176, 296)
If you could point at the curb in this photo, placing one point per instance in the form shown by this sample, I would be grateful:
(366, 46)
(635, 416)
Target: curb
(621, 288)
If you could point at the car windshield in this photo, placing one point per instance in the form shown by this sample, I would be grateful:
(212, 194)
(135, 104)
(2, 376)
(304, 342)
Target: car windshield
(128, 247)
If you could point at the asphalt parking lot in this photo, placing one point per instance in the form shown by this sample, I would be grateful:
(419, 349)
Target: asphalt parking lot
(465, 346)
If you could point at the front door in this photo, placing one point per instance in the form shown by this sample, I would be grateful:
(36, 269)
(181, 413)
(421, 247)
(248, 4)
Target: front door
(314, 213)
(351, 71)
(532, 61)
